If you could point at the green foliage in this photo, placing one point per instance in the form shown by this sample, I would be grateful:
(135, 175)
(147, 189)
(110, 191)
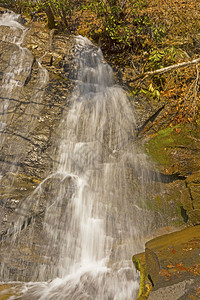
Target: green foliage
(151, 92)
(162, 58)
(158, 33)
(53, 8)
(119, 22)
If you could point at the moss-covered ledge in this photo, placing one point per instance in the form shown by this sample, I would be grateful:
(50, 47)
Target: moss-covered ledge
(145, 284)
(176, 149)
(172, 264)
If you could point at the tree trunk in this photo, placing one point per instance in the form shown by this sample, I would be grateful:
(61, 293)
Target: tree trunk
(50, 16)
(63, 16)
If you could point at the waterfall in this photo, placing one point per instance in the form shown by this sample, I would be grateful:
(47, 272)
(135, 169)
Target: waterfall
(94, 223)
(94, 230)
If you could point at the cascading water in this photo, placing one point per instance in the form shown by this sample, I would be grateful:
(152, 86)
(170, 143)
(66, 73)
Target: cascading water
(95, 233)
(9, 81)
(15, 77)
(94, 223)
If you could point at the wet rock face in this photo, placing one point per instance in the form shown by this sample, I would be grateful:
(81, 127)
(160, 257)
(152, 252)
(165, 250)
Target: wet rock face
(33, 101)
(193, 206)
(31, 248)
(33, 96)
(176, 150)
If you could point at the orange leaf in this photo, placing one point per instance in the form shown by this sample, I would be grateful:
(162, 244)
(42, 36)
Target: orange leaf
(170, 266)
(177, 130)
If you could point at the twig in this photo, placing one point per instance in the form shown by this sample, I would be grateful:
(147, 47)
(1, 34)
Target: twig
(167, 69)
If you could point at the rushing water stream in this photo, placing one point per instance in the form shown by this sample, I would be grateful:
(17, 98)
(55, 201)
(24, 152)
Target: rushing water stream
(94, 224)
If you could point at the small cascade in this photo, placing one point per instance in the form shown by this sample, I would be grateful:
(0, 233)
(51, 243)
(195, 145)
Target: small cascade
(11, 78)
(15, 78)
(94, 221)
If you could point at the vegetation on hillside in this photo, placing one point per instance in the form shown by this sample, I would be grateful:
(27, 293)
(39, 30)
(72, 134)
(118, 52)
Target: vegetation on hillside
(136, 35)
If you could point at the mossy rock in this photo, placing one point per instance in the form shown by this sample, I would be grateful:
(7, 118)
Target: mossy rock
(194, 217)
(193, 186)
(178, 259)
(10, 291)
(176, 149)
(194, 178)
(170, 261)
(145, 285)
(180, 247)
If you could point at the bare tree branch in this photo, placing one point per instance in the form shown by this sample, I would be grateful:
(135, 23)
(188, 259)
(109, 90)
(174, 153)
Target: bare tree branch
(167, 69)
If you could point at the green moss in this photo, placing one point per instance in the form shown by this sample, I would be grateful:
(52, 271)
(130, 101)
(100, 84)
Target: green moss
(159, 201)
(59, 77)
(145, 286)
(160, 145)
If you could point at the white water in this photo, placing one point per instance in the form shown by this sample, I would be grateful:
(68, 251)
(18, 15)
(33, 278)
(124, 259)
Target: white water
(93, 232)
(98, 228)
(11, 20)
(14, 77)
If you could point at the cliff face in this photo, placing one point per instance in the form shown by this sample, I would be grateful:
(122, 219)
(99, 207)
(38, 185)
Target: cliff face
(171, 261)
(170, 266)
(35, 67)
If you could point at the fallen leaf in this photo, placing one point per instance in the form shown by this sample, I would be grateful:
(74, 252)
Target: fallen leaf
(177, 130)
(165, 273)
(170, 266)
